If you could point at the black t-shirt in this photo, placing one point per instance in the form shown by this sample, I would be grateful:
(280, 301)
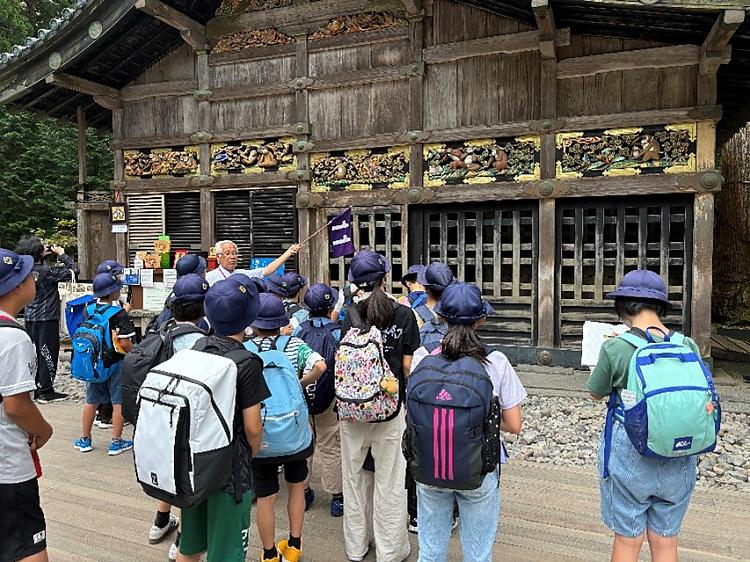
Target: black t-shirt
(399, 339)
(251, 390)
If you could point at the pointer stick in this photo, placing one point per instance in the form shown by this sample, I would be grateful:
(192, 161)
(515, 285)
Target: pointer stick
(314, 234)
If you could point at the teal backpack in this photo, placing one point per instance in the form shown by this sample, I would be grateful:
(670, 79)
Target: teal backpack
(93, 350)
(670, 408)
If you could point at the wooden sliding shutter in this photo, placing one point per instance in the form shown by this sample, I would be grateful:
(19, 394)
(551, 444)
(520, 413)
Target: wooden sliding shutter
(145, 222)
(263, 223)
(598, 241)
(183, 219)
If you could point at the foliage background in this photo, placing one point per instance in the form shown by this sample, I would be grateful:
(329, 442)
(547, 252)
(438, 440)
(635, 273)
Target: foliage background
(39, 156)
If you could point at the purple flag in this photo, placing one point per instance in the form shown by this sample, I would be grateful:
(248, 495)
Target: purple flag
(341, 234)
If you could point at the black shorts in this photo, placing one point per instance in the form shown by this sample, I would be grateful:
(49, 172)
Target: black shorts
(24, 533)
(267, 476)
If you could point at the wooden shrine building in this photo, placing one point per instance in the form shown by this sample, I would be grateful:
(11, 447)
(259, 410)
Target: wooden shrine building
(542, 148)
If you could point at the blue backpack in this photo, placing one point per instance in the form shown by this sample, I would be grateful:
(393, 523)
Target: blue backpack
(452, 436)
(320, 338)
(92, 345)
(433, 331)
(286, 424)
(74, 312)
(670, 408)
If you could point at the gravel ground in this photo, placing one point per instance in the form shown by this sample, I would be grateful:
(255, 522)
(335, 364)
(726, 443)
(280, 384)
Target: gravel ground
(565, 431)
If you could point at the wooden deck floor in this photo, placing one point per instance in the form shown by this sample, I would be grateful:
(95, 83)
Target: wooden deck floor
(96, 511)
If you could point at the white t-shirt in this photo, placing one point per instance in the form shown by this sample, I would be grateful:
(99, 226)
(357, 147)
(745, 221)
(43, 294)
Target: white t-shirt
(17, 376)
(216, 275)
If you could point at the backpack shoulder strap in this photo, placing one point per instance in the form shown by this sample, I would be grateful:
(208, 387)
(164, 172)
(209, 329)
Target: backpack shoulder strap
(677, 338)
(10, 324)
(240, 355)
(331, 327)
(281, 342)
(632, 339)
(425, 313)
(250, 345)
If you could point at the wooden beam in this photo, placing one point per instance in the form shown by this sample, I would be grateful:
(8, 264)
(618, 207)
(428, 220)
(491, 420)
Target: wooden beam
(498, 44)
(722, 31)
(707, 5)
(158, 89)
(413, 7)
(192, 32)
(545, 21)
(659, 57)
(546, 274)
(81, 85)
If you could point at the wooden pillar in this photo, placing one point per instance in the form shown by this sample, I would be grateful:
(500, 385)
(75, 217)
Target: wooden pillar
(703, 244)
(204, 127)
(310, 253)
(548, 110)
(121, 240)
(82, 217)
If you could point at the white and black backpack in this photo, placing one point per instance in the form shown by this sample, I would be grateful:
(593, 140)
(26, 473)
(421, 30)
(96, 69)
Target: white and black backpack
(183, 443)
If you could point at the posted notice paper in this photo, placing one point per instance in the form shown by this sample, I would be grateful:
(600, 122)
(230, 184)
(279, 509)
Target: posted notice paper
(594, 335)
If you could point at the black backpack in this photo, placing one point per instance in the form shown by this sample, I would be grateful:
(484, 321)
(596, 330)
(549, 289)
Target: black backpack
(155, 348)
(320, 338)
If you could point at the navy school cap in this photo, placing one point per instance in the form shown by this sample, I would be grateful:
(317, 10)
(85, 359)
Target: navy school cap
(232, 304)
(14, 270)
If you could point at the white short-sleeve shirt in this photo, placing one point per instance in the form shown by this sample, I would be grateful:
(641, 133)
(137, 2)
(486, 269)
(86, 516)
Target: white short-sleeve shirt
(216, 275)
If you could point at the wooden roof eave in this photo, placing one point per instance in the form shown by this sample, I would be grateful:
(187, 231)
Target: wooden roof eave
(70, 43)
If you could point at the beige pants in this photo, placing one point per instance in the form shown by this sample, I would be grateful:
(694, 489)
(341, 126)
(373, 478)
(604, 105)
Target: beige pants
(327, 450)
(375, 503)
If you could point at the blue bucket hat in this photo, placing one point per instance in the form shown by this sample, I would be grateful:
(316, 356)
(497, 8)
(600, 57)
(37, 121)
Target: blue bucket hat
(271, 313)
(286, 285)
(110, 266)
(231, 304)
(462, 303)
(437, 276)
(106, 284)
(191, 263)
(14, 270)
(189, 288)
(412, 274)
(321, 298)
(367, 267)
(641, 284)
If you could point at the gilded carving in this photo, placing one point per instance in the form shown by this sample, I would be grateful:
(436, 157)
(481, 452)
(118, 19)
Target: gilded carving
(353, 170)
(162, 162)
(253, 157)
(249, 39)
(357, 23)
(640, 150)
(482, 161)
(231, 7)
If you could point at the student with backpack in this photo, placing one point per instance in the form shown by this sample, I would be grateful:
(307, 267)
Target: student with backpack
(416, 294)
(373, 361)
(289, 365)
(435, 278)
(663, 410)
(288, 288)
(212, 482)
(323, 334)
(23, 429)
(458, 389)
(99, 346)
(190, 264)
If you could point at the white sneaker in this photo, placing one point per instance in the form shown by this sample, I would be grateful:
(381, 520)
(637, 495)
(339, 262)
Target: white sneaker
(172, 554)
(157, 534)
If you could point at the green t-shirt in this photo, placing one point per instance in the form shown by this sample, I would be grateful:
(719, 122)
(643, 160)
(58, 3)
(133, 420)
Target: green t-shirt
(611, 371)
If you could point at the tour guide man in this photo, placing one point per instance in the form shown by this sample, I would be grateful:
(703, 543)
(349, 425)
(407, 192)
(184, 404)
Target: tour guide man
(226, 254)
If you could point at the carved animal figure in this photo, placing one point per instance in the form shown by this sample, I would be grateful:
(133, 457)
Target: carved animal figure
(471, 162)
(650, 149)
(456, 158)
(500, 159)
(267, 158)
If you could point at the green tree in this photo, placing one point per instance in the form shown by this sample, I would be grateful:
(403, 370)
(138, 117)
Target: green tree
(40, 12)
(14, 26)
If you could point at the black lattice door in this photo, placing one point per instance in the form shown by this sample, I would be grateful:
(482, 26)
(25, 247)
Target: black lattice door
(598, 241)
(494, 246)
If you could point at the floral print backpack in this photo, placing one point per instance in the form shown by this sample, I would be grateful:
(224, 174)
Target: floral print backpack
(366, 389)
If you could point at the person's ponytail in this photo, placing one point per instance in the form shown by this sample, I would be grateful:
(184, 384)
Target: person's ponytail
(463, 341)
(377, 309)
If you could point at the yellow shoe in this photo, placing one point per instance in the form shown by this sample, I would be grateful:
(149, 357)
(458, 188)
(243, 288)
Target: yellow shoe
(276, 558)
(288, 553)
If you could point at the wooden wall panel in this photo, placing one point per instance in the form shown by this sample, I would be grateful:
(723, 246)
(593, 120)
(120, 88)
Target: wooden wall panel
(454, 22)
(622, 91)
(361, 57)
(258, 113)
(159, 117)
(252, 72)
(440, 104)
(177, 65)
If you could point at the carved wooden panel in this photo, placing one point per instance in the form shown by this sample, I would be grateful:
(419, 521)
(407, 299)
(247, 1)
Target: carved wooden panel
(353, 170)
(482, 161)
(248, 39)
(162, 162)
(253, 157)
(232, 7)
(357, 23)
(616, 152)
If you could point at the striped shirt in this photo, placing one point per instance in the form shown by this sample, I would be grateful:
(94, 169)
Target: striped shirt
(302, 357)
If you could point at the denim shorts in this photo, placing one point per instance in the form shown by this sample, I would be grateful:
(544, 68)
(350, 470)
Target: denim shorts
(109, 391)
(643, 492)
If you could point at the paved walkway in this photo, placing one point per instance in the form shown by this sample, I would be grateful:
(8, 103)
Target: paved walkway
(96, 511)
